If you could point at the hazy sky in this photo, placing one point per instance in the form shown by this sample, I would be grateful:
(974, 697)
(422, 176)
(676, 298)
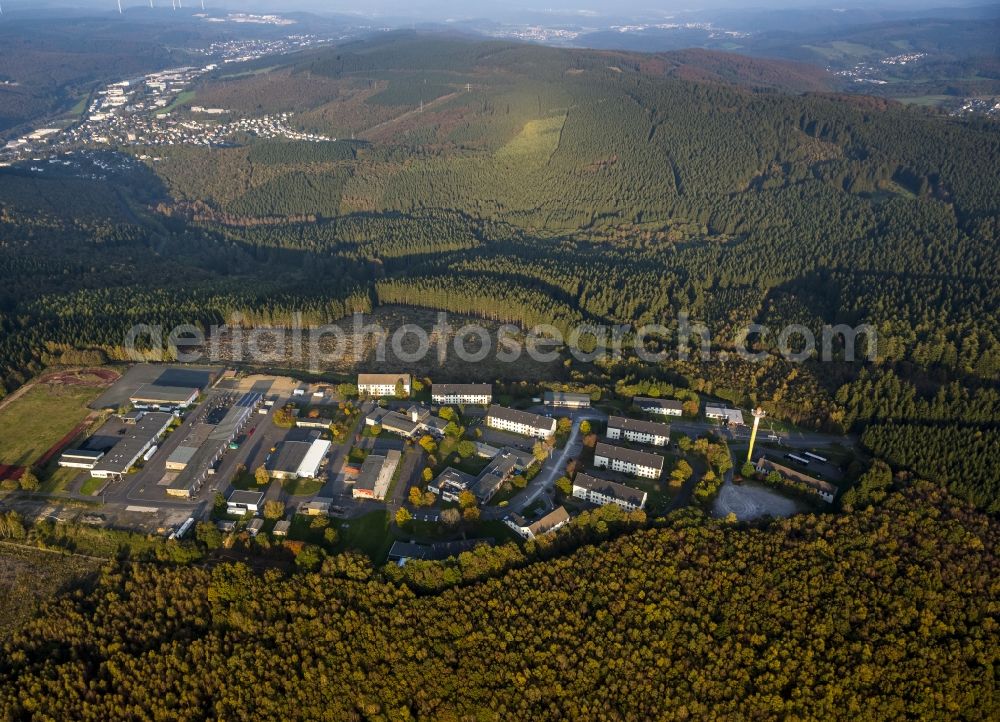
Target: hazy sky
(443, 9)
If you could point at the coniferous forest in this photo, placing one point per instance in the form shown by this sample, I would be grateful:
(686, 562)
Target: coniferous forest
(887, 612)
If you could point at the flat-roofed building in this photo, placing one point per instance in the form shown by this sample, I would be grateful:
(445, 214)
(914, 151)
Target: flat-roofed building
(566, 400)
(520, 422)
(80, 458)
(181, 457)
(242, 501)
(139, 438)
(472, 394)
(660, 407)
(297, 459)
(641, 432)
(721, 413)
(602, 492)
(189, 481)
(376, 473)
(628, 461)
(315, 423)
(383, 384)
(157, 395)
(823, 489)
(548, 523)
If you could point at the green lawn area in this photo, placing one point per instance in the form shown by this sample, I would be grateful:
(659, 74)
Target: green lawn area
(185, 97)
(302, 487)
(91, 485)
(58, 480)
(368, 534)
(30, 425)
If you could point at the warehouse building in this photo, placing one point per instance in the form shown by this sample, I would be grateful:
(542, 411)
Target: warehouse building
(473, 394)
(181, 457)
(197, 468)
(628, 461)
(297, 459)
(80, 458)
(640, 432)
(376, 474)
(156, 395)
(139, 438)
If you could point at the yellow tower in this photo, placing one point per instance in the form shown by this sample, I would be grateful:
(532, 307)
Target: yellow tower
(758, 414)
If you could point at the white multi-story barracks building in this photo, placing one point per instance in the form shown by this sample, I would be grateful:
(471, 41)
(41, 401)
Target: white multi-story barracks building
(640, 432)
(520, 422)
(628, 461)
(382, 384)
(475, 394)
(602, 492)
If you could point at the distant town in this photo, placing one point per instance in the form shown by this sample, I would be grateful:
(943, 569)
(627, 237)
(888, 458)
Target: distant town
(139, 111)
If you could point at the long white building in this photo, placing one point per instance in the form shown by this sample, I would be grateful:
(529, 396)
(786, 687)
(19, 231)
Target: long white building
(603, 492)
(640, 432)
(520, 422)
(474, 394)
(660, 407)
(628, 461)
(382, 384)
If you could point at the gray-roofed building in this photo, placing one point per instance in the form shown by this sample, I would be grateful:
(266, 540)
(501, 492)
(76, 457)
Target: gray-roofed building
(156, 395)
(80, 458)
(242, 501)
(476, 394)
(520, 422)
(281, 527)
(824, 489)
(506, 463)
(139, 438)
(401, 552)
(255, 526)
(286, 460)
(548, 523)
(641, 432)
(407, 423)
(196, 470)
(661, 407)
(628, 461)
(566, 400)
(376, 473)
(181, 457)
(601, 492)
(721, 413)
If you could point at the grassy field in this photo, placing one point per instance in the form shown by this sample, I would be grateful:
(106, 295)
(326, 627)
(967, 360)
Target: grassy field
(182, 98)
(303, 487)
(368, 534)
(31, 424)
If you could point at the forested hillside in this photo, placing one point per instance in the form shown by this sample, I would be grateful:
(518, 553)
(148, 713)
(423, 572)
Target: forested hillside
(888, 612)
(534, 184)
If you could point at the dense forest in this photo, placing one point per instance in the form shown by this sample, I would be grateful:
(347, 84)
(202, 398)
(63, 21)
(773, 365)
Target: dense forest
(531, 184)
(886, 612)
